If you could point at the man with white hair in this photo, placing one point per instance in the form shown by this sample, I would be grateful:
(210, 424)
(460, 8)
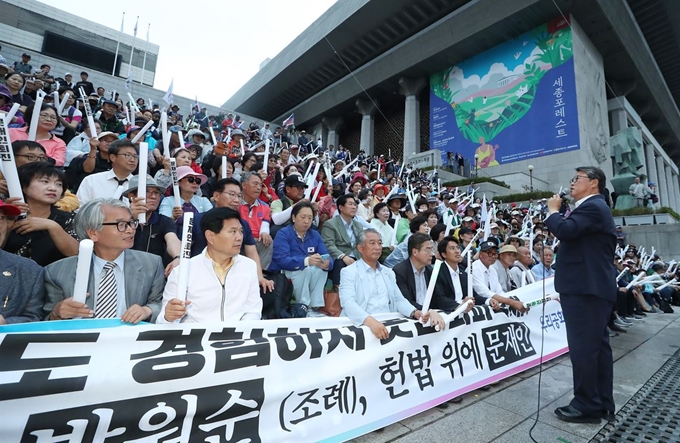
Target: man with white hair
(123, 283)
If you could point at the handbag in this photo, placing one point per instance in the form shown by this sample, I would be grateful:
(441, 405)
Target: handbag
(331, 305)
(665, 307)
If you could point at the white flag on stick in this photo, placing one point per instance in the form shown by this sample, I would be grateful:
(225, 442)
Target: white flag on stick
(168, 97)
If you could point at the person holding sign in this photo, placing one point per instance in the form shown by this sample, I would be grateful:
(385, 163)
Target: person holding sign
(124, 159)
(367, 287)
(159, 234)
(46, 234)
(452, 284)
(223, 285)
(123, 283)
(189, 182)
(413, 274)
(485, 279)
(48, 119)
(22, 292)
(587, 244)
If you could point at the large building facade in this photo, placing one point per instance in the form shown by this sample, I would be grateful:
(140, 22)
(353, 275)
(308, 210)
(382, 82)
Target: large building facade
(365, 75)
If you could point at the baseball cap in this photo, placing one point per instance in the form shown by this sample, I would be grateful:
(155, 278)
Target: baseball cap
(468, 219)
(10, 210)
(464, 231)
(487, 245)
(295, 180)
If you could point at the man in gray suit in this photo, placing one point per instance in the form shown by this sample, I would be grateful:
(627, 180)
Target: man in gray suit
(22, 293)
(123, 283)
(340, 234)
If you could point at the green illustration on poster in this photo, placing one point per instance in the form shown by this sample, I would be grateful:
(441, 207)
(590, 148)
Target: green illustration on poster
(494, 90)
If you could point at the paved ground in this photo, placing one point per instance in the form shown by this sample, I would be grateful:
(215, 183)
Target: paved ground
(507, 411)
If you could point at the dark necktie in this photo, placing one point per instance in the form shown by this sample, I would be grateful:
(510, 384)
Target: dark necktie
(107, 295)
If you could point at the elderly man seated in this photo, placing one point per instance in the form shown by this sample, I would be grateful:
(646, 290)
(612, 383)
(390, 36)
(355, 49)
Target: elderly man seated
(22, 292)
(123, 283)
(543, 269)
(367, 287)
(485, 279)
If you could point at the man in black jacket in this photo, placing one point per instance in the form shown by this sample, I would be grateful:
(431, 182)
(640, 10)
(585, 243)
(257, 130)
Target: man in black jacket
(413, 274)
(451, 288)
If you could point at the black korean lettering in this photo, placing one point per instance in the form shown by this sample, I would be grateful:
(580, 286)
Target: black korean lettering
(506, 344)
(39, 381)
(184, 348)
(419, 364)
(394, 328)
(481, 313)
(421, 329)
(459, 351)
(225, 413)
(344, 395)
(355, 340)
(233, 352)
(511, 311)
(284, 340)
(314, 338)
(305, 404)
(237, 412)
(391, 370)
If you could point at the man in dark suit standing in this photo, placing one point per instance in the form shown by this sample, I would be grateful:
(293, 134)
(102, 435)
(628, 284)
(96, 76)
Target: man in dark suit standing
(413, 274)
(123, 283)
(587, 292)
(452, 284)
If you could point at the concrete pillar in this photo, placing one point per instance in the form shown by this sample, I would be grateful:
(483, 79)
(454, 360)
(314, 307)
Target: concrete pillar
(652, 175)
(673, 184)
(661, 188)
(619, 120)
(669, 185)
(410, 88)
(333, 124)
(367, 108)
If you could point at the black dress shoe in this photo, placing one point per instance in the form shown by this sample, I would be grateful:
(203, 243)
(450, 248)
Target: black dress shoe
(485, 388)
(572, 415)
(443, 405)
(610, 416)
(616, 328)
(456, 400)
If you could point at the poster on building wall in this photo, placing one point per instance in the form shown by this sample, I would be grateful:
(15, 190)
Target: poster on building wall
(513, 102)
(290, 380)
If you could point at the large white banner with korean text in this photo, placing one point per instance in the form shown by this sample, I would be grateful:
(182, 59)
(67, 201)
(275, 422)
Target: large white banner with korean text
(300, 380)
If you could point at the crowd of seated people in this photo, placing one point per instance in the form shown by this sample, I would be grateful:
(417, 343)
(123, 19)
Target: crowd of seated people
(269, 240)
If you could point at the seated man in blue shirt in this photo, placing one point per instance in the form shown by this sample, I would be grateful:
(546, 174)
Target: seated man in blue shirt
(544, 269)
(366, 288)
